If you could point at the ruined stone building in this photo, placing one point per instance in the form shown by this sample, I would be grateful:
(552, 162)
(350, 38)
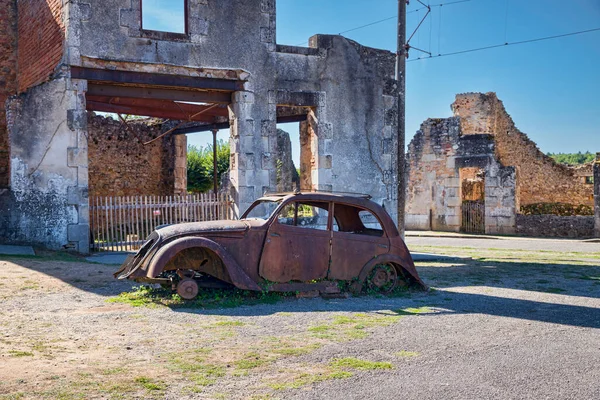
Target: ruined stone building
(475, 171)
(60, 60)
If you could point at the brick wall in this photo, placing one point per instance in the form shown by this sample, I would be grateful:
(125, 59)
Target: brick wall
(120, 164)
(41, 39)
(541, 179)
(8, 85)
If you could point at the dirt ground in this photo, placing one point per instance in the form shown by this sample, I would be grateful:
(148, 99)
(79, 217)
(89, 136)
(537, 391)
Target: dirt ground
(503, 324)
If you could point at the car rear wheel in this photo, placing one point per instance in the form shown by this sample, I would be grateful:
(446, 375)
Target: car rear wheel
(383, 278)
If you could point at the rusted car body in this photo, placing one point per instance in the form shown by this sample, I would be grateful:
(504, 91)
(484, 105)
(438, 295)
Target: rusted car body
(283, 242)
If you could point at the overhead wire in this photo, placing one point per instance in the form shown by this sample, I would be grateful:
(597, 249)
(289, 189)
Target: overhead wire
(394, 17)
(506, 44)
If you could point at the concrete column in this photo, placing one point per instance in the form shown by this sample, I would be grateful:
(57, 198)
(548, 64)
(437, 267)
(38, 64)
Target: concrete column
(597, 195)
(500, 200)
(251, 168)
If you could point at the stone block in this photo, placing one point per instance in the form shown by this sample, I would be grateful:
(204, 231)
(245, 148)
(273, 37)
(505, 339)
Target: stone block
(450, 162)
(78, 232)
(77, 119)
(452, 182)
(77, 156)
(77, 195)
(453, 202)
(243, 97)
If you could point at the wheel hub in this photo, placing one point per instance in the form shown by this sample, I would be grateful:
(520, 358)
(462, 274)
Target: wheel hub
(383, 278)
(187, 289)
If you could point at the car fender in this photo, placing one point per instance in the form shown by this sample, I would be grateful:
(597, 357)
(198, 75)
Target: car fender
(405, 262)
(239, 278)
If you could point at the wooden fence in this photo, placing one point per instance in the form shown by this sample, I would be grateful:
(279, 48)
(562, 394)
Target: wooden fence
(123, 223)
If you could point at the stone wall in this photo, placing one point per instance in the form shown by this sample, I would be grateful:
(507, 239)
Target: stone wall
(121, 165)
(48, 203)
(8, 78)
(433, 190)
(555, 226)
(501, 201)
(41, 38)
(542, 180)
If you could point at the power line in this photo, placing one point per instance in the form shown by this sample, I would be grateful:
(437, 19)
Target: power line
(506, 44)
(394, 17)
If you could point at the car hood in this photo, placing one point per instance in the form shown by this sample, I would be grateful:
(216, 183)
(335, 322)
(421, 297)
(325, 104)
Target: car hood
(191, 228)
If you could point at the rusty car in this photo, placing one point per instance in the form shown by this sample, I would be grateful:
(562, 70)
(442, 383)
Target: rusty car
(286, 242)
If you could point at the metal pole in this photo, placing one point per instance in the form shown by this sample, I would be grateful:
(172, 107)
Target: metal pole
(401, 79)
(215, 183)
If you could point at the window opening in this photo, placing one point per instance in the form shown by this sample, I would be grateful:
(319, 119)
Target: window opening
(313, 215)
(589, 180)
(164, 15)
(357, 221)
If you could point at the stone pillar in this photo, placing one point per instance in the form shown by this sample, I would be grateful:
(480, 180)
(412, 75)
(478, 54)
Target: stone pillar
(500, 200)
(597, 195)
(180, 164)
(252, 162)
(49, 166)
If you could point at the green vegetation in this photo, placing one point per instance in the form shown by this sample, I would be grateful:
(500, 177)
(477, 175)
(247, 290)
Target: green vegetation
(200, 166)
(146, 296)
(355, 363)
(573, 158)
(407, 354)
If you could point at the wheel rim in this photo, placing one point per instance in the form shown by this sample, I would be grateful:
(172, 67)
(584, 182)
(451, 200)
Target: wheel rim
(383, 278)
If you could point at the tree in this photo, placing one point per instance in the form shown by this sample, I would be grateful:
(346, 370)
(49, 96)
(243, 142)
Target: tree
(200, 166)
(573, 158)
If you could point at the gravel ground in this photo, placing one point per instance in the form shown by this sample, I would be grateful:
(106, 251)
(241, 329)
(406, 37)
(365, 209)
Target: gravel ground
(503, 325)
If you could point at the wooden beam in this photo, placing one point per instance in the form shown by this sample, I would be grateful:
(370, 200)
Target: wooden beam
(167, 105)
(149, 112)
(153, 79)
(197, 96)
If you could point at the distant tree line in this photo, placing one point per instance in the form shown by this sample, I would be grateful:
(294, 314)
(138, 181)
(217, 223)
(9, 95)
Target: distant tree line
(573, 158)
(200, 166)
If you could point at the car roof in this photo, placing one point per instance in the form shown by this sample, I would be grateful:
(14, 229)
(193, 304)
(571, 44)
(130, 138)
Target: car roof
(358, 200)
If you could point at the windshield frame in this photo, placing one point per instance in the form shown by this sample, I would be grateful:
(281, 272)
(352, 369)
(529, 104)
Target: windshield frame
(278, 200)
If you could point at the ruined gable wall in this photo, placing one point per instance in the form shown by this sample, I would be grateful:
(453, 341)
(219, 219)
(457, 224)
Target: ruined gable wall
(541, 179)
(120, 164)
(433, 184)
(41, 40)
(8, 78)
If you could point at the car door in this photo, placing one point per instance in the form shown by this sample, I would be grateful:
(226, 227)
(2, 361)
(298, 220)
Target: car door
(298, 243)
(357, 238)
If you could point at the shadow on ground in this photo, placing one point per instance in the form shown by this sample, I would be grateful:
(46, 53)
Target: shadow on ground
(552, 286)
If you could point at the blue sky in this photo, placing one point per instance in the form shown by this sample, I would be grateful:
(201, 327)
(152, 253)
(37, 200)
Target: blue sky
(550, 88)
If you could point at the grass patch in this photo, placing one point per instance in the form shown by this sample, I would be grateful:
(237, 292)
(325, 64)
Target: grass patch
(407, 354)
(351, 327)
(355, 363)
(229, 323)
(149, 384)
(18, 353)
(413, 310)
(305, 379)
(147, 296)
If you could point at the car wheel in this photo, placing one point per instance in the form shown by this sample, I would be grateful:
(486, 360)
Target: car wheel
(383, 278)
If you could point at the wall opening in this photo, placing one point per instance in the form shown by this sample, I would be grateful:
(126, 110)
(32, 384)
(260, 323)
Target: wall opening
(164, 15)
(298, 127)
(472, 194)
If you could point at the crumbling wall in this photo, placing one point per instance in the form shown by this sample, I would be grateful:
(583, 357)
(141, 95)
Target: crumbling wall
(287, 176)
(501, 199)
(8, 78)
(351, 130)
(433, 185)
(542, 180)
(49, 176)
(121, 165)
(41, 30)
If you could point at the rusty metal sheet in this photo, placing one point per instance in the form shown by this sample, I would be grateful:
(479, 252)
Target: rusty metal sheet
(293, 253)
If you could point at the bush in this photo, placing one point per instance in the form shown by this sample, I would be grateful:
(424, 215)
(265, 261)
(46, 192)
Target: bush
(561, 209)
(200, 166)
